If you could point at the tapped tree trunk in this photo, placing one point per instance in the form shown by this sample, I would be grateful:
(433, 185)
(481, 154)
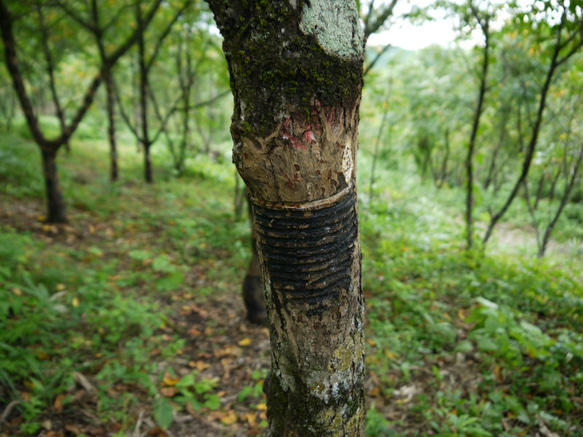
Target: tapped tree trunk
(296, 77)
(56, 211)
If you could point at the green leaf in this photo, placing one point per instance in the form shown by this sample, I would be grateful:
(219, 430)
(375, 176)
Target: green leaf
(162, 264)
(140, 255)
(169, 283)
(186, 381)
(486, 344)
(163, 413)
(464, 346)
(244, 393)
(212, 402)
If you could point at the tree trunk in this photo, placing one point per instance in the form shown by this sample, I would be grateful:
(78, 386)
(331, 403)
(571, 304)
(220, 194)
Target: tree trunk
(145, 138)
(56, 211)
(148, 174)
(253, 295)
(472, 144)
(296, 76)
(113, 171)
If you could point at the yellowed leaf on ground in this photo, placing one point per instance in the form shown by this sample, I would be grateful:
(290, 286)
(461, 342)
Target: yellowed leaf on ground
(201, 365)
(229, 418)
(61, 287)
(170, 380)
(16, 291)
(245, 342)
(461, 314)
(261, 407)
(250, 418)
(75, 302)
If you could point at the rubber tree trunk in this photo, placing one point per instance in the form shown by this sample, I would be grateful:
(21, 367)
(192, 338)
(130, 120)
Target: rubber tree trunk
(296, 77)
(56, 211)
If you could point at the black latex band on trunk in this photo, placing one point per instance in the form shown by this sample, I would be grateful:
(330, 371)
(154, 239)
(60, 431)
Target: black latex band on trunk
(308, 250)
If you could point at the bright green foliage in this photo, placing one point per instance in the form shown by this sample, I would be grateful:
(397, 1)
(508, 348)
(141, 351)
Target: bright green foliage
(94, 308)
(462, 342)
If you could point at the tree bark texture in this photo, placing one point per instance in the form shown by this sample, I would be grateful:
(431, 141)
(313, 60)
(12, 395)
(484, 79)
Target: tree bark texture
(296, 75)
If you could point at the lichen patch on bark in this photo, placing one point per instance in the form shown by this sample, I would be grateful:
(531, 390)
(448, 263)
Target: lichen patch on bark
(335, 25)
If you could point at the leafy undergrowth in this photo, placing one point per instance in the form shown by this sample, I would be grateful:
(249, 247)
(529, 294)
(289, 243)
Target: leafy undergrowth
(128, 320)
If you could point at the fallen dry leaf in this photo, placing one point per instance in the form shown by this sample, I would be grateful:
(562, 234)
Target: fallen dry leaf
(58, 404)
(158, 432)
(250, 418)
(74, 429)
(168, 392)
(245, 342)
(200, 365)
(170, 380)
(229, 418)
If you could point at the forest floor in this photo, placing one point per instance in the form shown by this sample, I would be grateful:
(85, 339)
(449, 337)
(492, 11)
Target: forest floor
(128, 320)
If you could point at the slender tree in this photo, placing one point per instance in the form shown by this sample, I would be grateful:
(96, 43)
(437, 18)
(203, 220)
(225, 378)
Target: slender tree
(93, 22)
(56, 211)
(296, 76)
(565, 38)
(483, 21)
(147, 57)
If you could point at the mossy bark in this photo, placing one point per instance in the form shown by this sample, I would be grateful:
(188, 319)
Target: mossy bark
(296, 75)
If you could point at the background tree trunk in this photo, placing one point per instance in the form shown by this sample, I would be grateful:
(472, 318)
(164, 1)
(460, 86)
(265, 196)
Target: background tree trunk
(295, 131)
(113, 170)
(56, 211)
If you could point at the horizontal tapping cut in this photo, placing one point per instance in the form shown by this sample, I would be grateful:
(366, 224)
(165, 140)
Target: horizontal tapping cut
(272, 230)
(308, 252)
(318, 253)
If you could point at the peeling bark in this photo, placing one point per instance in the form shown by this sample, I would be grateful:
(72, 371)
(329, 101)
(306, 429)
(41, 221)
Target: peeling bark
(296, 76)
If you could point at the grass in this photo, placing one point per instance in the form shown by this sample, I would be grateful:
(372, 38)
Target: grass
(132, 310)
